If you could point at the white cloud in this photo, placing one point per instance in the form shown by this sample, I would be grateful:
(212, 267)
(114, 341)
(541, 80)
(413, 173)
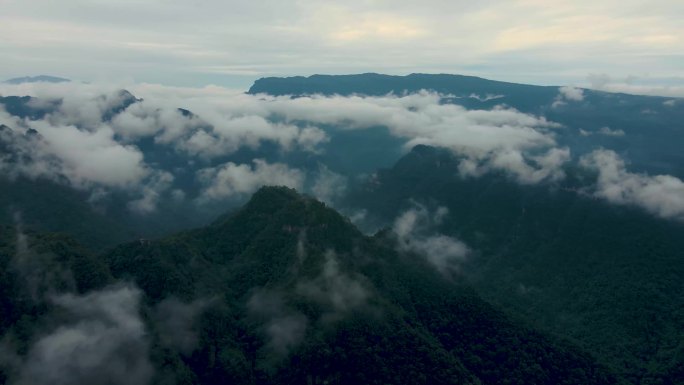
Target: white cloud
(567, 95)
(662, 195)
(607, 131)
(638, 85)
(91, 156)
(231, 179)
(443, 252)
(572, 93)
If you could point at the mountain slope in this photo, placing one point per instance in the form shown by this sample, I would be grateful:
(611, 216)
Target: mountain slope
(368, 314)
(284, 290)
(604, 275)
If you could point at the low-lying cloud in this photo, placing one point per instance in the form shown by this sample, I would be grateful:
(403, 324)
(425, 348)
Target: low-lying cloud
(283, 327)
(104, 341)
(177, 323)
(606, 131)
(568, 95)
(99, 138)
(334, 289)
(232, 179)
(662, 195)
(415, 233)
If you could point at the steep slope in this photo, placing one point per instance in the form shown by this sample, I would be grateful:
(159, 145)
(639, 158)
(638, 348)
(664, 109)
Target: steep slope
(301, 295)
(606, 276)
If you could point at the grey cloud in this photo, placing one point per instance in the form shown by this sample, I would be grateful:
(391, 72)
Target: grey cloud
(328, 185)
(159, 183)
(159, 41)
(333, 288)
(599, 81)
(662, 195)
(177, 323)
(414, 228)
(284, 328)
(104, 343)
(39, 273)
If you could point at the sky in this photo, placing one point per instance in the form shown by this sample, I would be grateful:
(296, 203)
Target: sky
(597, 43)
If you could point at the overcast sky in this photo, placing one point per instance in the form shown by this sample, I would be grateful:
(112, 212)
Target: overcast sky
(231, 43)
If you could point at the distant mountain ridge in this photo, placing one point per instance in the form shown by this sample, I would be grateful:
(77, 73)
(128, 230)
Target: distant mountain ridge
(36, 79)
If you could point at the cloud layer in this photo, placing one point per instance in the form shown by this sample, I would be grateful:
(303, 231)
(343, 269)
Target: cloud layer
(93, 136)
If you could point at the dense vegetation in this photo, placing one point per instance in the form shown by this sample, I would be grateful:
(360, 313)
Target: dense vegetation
(607, 276)
(288, 291)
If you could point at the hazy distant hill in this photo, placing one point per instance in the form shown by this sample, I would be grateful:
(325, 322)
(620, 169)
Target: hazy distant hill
(36, 79)
(648, 128)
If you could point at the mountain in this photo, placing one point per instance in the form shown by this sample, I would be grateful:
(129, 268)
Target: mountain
(647, 128)
(604, 275)
(285, 290)
(36, 79)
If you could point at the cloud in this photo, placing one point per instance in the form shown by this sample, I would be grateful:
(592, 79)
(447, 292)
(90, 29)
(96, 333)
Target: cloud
(517, 40)
(334, 289)
(104, 341)
(486, 98)
(566, 95)
(87, 157)
(159, 182)
(642, 85)
(176, 322)
(38, 272)
(231, 179)
(603, 131)
(607, 131)
(662, 195)
(443, 252)
(479, 135)
(284, 328)
(571, 93)
(91, 154)
(328, 185)
(526, 170)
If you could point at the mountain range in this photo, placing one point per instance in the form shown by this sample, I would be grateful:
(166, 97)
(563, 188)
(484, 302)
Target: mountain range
(427, 229)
